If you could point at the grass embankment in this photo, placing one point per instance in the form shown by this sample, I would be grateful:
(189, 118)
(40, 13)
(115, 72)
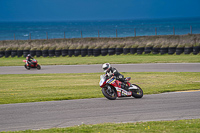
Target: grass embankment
(114, 59)
(22, 88)
(180, 126)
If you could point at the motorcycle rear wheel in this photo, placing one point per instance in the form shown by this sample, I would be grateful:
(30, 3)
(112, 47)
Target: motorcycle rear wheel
(109, 93)
(137, 93)
(38, 67)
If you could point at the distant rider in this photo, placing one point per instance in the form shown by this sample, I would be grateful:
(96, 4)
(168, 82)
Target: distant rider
(29, 59)
(111, 71)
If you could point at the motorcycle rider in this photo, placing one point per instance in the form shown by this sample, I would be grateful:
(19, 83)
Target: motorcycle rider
(29, 59)
(111, 71)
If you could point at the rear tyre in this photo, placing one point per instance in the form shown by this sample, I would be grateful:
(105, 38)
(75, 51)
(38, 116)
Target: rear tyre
(109, 92)
(38, 67)
(137, 93)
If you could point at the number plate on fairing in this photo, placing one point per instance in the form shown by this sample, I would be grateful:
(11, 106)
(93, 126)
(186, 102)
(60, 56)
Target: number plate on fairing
(110, 81)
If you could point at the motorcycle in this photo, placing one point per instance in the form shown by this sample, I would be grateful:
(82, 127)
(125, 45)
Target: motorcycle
(33, 64)
(112, 88)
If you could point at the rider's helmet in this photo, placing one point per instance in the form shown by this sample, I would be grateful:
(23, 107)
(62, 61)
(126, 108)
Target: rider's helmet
(106, 66)
(29, 55)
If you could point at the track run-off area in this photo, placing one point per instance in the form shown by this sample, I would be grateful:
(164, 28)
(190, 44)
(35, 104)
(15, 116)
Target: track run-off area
(65, 113)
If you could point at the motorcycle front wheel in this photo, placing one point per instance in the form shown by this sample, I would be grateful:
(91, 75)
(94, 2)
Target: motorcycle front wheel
(137, 93)
(109, 92)
(28, 68)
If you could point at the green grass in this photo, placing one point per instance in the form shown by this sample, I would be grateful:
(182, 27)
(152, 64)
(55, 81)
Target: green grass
(22, 88)
(49, 87)
(117, 59)
(180, 126)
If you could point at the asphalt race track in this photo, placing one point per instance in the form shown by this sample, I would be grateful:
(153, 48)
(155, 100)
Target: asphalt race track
(43, 115)
(150, 67)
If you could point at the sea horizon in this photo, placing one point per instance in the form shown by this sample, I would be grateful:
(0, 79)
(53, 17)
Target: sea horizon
(125, 19)
(26, 30)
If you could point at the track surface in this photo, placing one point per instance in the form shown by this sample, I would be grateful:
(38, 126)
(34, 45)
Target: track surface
(151, 67)
(42, 115)
(166, 106)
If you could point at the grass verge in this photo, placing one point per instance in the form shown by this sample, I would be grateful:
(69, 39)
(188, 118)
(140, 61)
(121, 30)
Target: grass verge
(22, 88)
(180, 126)
(114, 59)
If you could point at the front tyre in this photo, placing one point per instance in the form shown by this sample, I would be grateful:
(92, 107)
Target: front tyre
(38, 67)
(137, 93)
(28, 68)
(109, 92)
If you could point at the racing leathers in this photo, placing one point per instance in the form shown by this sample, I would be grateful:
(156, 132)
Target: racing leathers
(113, 72)
(28, 60)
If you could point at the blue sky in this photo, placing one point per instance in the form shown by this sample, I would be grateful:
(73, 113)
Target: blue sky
(64, 10)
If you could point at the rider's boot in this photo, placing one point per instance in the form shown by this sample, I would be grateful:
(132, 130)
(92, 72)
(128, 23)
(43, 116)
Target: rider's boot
(129, 85)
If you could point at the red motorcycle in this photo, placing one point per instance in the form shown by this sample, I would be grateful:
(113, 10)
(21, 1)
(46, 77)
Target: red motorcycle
(33, 64)
(112, 88)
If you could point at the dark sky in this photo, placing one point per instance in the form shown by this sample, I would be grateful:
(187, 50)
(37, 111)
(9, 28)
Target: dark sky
(64, 10)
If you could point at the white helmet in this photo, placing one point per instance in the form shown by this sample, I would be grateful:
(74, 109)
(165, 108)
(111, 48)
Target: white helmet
(106, 66)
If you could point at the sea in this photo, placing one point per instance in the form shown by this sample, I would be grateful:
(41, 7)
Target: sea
(99, 28)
